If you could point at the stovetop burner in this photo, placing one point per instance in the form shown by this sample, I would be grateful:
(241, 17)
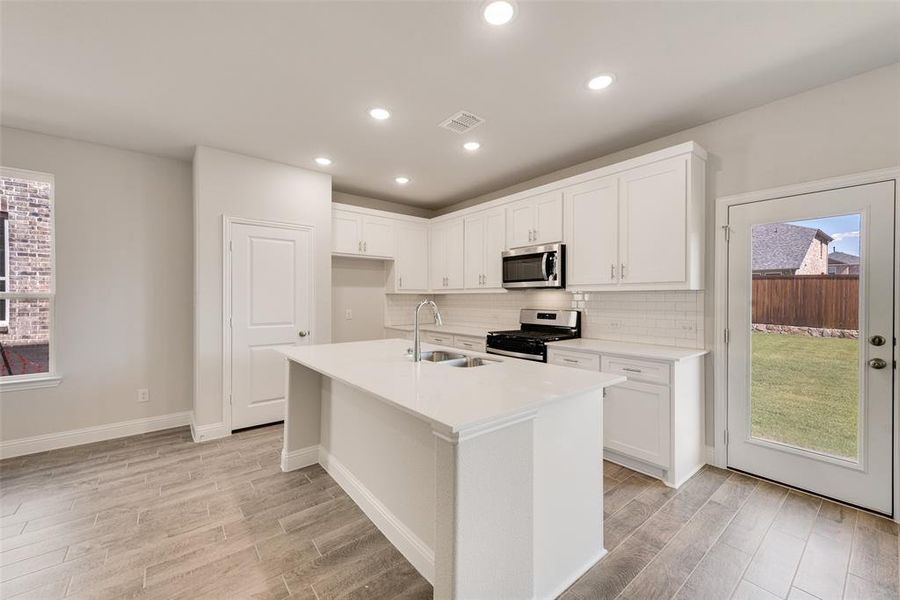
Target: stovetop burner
(538, 328)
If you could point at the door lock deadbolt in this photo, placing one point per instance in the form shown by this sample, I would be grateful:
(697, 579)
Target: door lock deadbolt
(877, 340)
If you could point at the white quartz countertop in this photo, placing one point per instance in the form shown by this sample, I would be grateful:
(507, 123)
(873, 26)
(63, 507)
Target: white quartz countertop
(651, 351)
(454, 400)
(450, 329)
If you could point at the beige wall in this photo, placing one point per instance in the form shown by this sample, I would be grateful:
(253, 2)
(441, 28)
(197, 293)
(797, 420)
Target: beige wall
(242, 186)
(123, 275)
(847, 127)
(357, 284)
(394, 207)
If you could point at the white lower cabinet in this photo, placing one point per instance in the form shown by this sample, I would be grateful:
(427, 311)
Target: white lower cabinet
(636, 421)
(464, 342)
(652, 423)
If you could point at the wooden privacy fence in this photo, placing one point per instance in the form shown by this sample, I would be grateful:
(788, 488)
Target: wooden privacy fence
(828, 301)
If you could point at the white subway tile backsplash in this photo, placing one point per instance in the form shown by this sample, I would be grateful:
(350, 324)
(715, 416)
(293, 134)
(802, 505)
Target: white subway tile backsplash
(667, 318)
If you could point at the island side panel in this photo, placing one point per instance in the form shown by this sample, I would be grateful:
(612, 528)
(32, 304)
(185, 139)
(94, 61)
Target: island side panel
(302, 419)
(485, 525)
(383, 458)
(568, 492)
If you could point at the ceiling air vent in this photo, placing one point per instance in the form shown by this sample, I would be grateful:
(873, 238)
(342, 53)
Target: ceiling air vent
(462, 122)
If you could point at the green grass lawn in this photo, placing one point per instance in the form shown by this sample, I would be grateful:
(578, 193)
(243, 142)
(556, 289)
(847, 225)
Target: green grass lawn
(805, 391)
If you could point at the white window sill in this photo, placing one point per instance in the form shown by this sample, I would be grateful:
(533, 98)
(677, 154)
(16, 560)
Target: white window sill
(28, 382)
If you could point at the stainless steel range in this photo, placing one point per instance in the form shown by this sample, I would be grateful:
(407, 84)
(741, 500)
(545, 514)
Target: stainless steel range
(537, 328)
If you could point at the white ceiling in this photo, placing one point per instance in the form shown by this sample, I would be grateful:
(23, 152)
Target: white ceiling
(291, 81)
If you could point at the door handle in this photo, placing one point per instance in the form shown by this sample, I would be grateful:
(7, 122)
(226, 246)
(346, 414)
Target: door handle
(612, 271)
(878, 363)
(359, 246)
(877, 340)
(303, 333)
(622, 271)
(365, 246)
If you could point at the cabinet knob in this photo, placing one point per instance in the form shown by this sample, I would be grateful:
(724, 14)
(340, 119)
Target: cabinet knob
(878, 363)
(303, 333)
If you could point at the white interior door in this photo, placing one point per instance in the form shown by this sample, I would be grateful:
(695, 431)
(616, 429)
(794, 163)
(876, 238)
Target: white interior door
(809, 403)
(271, 285)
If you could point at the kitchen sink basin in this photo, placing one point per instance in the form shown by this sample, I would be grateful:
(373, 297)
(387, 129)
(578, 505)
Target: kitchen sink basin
(437, 356)
(469, 361)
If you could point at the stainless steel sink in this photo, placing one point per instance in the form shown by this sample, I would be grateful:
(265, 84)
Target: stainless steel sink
(467, 362)
(437, 356)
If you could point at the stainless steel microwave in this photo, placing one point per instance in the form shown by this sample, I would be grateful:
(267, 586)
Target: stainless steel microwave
(535, 267)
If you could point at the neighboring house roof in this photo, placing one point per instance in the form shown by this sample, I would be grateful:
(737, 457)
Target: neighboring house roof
(842, 258)
(783, 246)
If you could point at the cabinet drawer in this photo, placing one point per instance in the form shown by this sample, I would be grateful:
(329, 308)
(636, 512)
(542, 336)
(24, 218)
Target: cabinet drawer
(469, 343)
(579, 360)
(440, 339)
(637, 370)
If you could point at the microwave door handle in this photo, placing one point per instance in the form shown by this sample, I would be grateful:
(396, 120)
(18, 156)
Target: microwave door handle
(544, 260)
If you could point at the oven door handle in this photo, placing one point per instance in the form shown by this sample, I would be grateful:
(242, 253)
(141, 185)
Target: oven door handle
(536, 357)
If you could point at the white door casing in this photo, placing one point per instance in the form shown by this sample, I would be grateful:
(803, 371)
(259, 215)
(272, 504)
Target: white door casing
(270, 298)
(868, 482)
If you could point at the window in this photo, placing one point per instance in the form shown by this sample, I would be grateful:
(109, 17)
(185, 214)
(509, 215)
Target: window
(4, 267)
(26, 279)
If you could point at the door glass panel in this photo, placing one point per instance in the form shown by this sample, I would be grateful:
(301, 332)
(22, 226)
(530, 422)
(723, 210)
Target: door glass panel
(805, 339)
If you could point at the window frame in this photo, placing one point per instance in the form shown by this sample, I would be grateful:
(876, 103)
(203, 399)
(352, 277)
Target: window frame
(4, 314)
(52, 377)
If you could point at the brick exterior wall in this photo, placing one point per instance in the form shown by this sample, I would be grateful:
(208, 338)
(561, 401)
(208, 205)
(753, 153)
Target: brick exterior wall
(30, 258)
(816, 260)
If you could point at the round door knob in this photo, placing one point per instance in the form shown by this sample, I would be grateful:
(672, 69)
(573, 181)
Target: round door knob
(877, 340)
(878, 363)
(303, 333)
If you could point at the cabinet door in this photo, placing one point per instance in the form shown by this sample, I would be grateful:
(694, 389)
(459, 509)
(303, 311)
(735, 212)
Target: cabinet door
(520, 223)
(346, 232)
(591, 212)
(548, 222)
(636, 421)
(378, 236)
(494, 244)
(411, 262)
(437, 264)
(474, 252)
(454, 253)
(653, 223)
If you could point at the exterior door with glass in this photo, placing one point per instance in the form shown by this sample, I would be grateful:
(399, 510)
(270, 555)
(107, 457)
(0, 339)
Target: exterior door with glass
(810, 349)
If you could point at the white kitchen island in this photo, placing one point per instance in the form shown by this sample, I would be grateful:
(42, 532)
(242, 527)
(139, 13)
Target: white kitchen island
(487, 479)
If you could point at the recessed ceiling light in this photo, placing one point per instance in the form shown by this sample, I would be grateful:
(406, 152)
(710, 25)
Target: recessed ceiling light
(402, 180)
(321, 160)
(601, 82)
(471, 146)
(499, 12)
(380, 114)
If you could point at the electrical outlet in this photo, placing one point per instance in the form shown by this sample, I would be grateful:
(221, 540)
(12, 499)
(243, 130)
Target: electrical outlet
(348, 314)
(614, 324)
(143, 395)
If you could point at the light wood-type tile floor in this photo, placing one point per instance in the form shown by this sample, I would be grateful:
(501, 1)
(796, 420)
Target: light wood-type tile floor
(158, 516)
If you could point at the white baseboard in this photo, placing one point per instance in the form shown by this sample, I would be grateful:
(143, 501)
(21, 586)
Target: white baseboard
(213, 431)
(297, 459)
(87, 435)
(710, 455)
(417, 552)
(577, 574)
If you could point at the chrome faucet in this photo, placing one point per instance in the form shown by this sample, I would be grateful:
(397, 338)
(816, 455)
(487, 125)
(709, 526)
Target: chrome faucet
(417, 349)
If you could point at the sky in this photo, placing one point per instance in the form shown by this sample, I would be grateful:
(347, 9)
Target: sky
(844, 230)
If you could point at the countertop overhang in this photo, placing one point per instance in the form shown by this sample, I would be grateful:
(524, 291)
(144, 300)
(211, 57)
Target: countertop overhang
(455, 401)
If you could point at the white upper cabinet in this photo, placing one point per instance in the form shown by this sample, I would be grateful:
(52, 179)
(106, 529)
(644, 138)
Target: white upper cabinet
(411, 262)
(535, 220)
(640, 229)
(485, 240)
(592, 221)
(653, 223)
(360, 234)
(447, 255)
